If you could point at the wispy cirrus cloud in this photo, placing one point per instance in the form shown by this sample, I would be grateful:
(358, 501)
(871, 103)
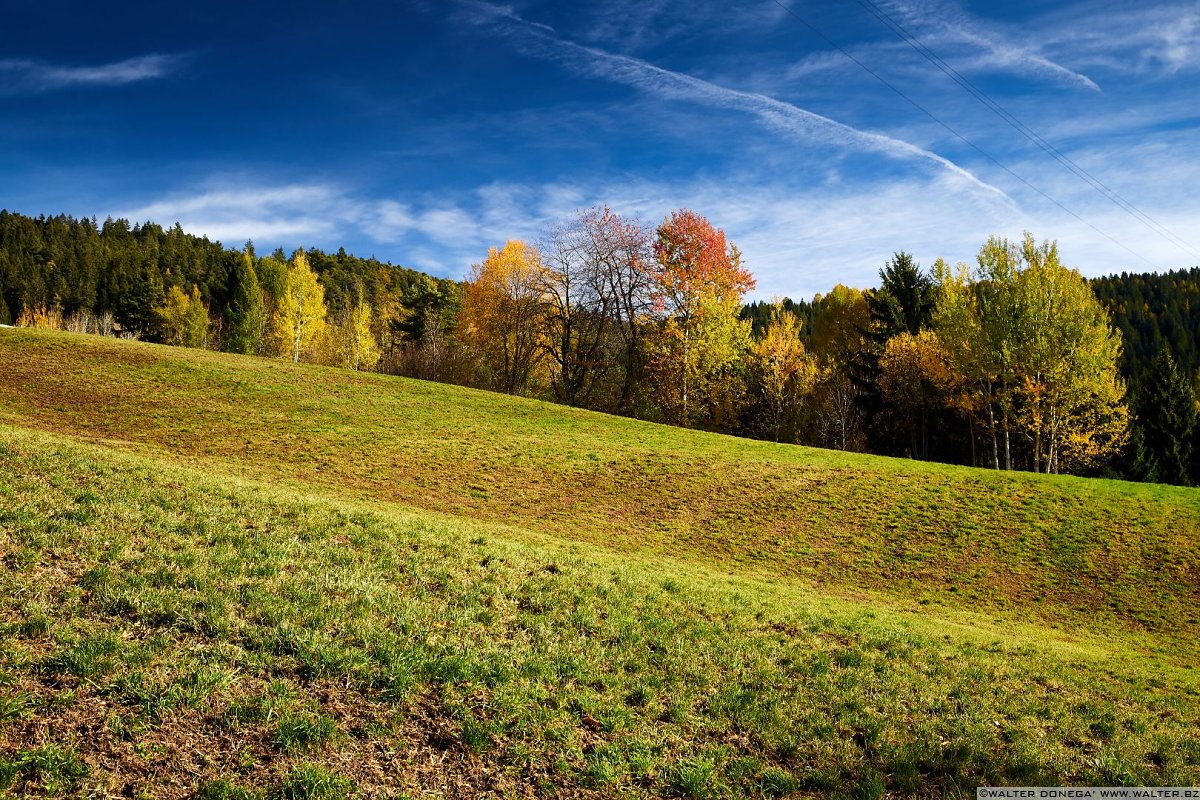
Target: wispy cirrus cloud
(987, 46)
(24, 76)
(628, 26)
(235, 209)
(543, 41)
(1159, 40)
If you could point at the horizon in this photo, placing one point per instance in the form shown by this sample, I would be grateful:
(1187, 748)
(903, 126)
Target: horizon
(424, 134)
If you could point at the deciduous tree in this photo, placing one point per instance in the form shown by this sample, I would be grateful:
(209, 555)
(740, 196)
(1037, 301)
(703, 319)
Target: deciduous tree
(502, 312)
(300, 314)
(916, 381)
(183, 318)
(840, 327)
(579, 311)
(785, 372)
(1040, 352)
(1070, 395)
(699, 281)
(352, 342)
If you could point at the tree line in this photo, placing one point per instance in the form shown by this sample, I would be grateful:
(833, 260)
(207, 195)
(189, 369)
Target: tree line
(1013, 362)
(165, 285)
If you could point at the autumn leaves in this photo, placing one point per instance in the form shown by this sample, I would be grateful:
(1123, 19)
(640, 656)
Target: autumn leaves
(608, 313)
(1015, 360)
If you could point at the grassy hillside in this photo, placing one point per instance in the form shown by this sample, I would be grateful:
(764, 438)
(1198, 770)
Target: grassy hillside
(224, 575)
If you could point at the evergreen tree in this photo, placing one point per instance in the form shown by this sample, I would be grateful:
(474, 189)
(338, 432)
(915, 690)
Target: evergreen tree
(903, 304)
(1166, 428)
(244, 314)
(904, 301)
(137, 307)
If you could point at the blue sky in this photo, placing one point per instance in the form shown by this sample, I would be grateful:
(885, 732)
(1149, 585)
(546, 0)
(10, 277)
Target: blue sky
(425, 132)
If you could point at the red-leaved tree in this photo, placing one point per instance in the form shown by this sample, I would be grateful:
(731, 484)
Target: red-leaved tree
(699, 281)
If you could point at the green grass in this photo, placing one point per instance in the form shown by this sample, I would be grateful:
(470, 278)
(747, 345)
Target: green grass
(232, 577)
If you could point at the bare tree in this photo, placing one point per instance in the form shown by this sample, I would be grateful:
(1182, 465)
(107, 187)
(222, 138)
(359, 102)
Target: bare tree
(622, 251)
(579, 310)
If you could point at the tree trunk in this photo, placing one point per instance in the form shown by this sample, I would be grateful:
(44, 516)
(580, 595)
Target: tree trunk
(995, 444)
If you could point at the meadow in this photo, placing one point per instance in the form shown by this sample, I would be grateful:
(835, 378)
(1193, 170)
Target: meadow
(233, 577)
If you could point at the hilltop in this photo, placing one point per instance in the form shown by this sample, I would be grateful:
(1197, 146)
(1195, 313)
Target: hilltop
(407, 584)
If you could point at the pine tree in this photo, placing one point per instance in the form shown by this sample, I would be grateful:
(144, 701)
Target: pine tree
(1166, 428)
(905, 299)
(244, 313)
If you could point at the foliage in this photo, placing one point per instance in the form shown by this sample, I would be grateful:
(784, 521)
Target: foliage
(785, 373)
(698, 283)
(41, 317)
(916, 379)
(1038, 352)
(1166, 428)
(1153, 311)
(112, 278)
(603, 317)
(183, 319)
(300, 314)
(904, 301)
(839, 341)
(245, 316)
(351, 342)
(502, 314)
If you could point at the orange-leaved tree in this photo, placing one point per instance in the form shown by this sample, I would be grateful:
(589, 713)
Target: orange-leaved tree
(698, 283)
(501, 315)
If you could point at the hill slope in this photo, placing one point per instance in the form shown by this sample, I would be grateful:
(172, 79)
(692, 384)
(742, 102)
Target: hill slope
(221, 566)
(1078, 551)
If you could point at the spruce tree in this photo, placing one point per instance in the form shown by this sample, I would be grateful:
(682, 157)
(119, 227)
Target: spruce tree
(1166, 427)
(905, 299)
(244, 312)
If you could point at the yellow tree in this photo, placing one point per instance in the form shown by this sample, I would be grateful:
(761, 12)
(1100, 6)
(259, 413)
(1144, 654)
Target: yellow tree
(300, 313)
(1070, 393)
(785, 371)
(183, 318)
(501, 314)
(364, 350)
(1037, 347)
(698, 281)
(915, 378)
(839, 341)
(352, 343)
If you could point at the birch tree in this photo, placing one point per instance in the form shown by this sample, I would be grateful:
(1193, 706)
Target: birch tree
(300, 312)
(699, 281)
(1040, 353)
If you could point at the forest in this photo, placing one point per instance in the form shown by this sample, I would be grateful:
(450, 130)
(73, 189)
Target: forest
(1012, 362)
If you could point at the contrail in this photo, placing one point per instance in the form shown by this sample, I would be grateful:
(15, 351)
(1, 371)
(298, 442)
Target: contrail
(544, 42)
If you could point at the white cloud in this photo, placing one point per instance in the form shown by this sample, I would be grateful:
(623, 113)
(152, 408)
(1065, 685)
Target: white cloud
(782, 117)
(1159, 39)
(801, 232)
(628, 26)
(946, 22)
(19, 76)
